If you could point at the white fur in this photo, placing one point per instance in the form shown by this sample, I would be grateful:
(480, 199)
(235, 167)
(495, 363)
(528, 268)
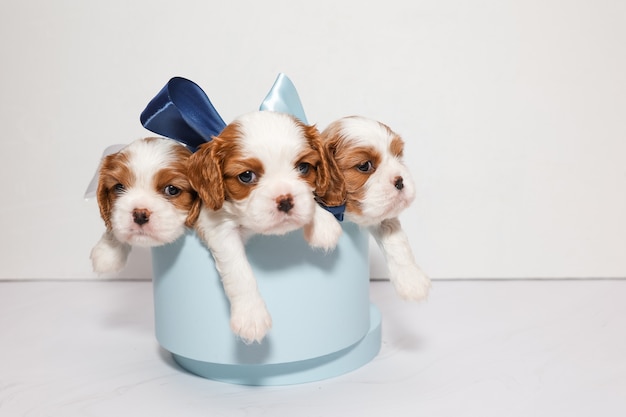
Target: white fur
(276, 141)
(167, 222)
(109, 254)
(408, 279)
(383, 203)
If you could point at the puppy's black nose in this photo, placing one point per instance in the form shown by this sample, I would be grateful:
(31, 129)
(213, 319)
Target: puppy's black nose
(398, 183)
(284, 203)
(141, 216)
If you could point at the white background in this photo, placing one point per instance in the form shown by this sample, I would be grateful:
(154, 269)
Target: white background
(513, 113)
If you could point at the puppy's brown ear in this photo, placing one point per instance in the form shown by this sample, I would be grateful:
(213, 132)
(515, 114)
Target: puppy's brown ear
(194, 211)
(104, 193)
(331, 184)
(205, 176)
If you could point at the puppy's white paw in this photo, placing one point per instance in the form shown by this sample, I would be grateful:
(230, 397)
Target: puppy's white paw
(109, 255)
(324, 232)
(411, 283)
(250, 322)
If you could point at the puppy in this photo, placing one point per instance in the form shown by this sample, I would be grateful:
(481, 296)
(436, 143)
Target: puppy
(144, 198)
(259, 176)
(378, 187)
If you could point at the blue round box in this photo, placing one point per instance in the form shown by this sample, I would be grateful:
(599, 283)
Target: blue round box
(323, 322)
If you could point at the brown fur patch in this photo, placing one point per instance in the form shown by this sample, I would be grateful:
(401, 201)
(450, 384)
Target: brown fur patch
(234, 165)
(397, 146)
(205, 170)
(113, 170)
(176, 175)
(348, 158)
(214, 168)
(312, 177)
(329, 184)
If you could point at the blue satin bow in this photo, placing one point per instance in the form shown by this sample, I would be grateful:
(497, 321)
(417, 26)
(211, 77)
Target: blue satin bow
(284, 98)
(182, 111)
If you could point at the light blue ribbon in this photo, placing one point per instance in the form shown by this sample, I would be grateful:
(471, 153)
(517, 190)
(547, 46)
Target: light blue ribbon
(284, 98)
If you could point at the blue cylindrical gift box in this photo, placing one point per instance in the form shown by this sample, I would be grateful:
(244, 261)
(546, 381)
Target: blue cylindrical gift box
(323, 322)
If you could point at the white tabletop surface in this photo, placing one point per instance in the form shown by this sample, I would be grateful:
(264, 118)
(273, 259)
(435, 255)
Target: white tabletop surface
(475, 348)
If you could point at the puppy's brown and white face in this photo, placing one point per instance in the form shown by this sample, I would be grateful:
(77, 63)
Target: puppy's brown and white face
(144, 195)
(262, 172)
(369, 154)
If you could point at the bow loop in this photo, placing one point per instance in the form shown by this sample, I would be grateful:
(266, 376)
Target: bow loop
(284, 98)
(182, 111)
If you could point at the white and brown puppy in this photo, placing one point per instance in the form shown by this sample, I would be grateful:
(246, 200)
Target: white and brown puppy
(259, 176)
(145, 199)
(378, 187)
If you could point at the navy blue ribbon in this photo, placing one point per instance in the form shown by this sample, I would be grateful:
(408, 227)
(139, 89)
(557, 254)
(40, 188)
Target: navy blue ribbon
(182, 111)
(336, 211)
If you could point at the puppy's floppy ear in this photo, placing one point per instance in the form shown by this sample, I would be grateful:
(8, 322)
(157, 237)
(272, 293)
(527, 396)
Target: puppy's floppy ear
(103, 193)
(194, 211)
(331, 184)
(205, 175)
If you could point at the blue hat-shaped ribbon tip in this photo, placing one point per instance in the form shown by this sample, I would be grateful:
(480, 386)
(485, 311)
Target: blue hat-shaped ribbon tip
(284, 98)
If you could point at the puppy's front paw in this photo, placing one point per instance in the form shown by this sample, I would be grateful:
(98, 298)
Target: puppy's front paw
(411, 283)
(108, 255)
(250, 321)
(324, 232)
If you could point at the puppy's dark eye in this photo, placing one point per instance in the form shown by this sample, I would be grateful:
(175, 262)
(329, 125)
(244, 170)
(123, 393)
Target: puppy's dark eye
(118, 188)
(365, 167)
(247, 177)
(304, 168)
(171, 191)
